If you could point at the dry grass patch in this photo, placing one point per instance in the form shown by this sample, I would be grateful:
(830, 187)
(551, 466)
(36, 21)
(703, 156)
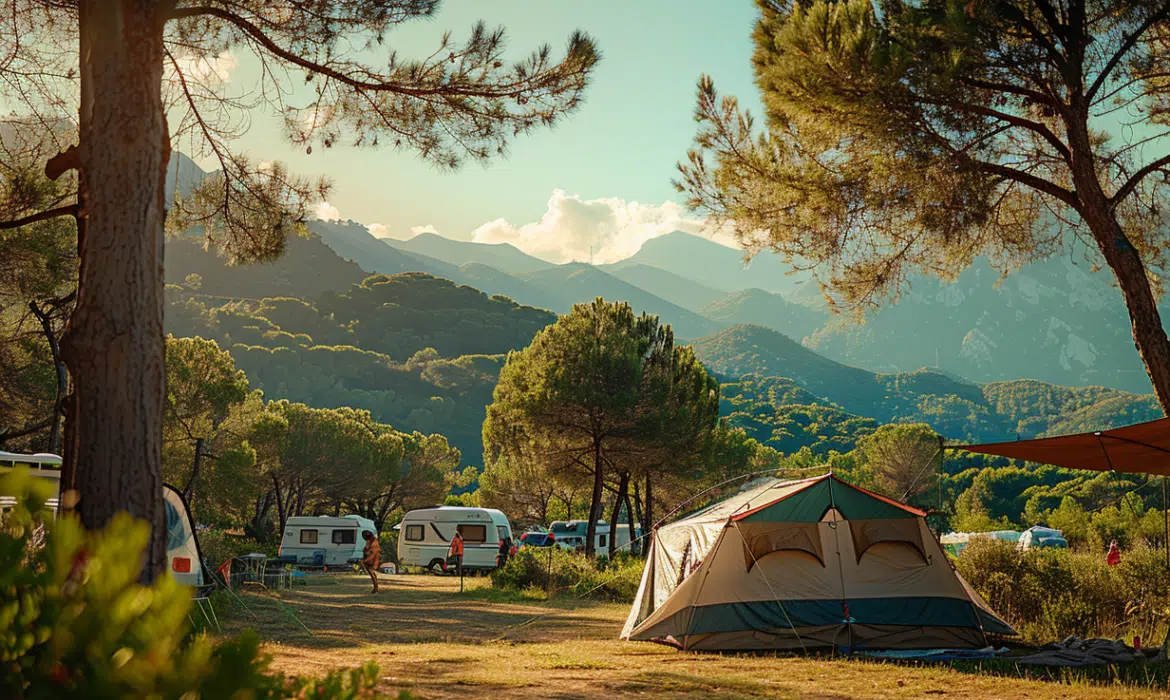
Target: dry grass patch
(438, 643)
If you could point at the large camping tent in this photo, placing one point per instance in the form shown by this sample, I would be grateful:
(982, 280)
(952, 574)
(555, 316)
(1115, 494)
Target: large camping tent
(809, 564)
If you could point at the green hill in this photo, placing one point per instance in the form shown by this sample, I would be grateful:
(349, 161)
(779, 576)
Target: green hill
(756, 306)
(307, 268)
(687, 293)
(578, 282)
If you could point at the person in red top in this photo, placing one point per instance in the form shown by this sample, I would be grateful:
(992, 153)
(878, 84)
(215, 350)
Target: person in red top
(455, 552)
(1113, 558)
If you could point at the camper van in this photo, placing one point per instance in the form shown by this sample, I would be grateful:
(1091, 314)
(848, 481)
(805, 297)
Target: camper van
(571, 534)
(324, 541)
(424, 536)
(183, 555)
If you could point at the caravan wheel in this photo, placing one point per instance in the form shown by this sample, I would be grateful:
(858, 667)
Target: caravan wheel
(437, 566)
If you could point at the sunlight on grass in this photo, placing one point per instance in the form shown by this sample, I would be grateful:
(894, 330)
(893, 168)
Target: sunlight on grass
(439, 643)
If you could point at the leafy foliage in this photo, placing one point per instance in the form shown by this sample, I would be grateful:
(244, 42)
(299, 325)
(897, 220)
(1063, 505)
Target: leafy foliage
(74, 620)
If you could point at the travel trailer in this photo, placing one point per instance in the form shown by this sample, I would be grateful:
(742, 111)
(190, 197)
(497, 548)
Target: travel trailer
(183, 553)
(571, 534)
(425, 535)
(324, 541)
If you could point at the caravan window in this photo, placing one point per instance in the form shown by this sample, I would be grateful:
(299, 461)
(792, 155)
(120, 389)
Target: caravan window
(308, 537)
(601, 541)
(414, 533)
(343, 537)
(503, 532)
(473, 533)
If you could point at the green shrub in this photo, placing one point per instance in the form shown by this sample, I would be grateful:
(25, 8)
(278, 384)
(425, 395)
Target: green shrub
(218, 546)
(75, 621)
(614, 579)
(1048, 594)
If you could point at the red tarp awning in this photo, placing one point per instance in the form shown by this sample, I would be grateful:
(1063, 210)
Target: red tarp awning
(1140, 449)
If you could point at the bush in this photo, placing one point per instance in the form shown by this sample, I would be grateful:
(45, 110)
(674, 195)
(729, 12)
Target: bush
(1048, 594)
(75, 621)
(614, 579)
(218, 546)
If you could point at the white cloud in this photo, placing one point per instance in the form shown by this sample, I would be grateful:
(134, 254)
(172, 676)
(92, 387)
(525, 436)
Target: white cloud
(327, 212)
(208, 70)
(379, 231)
(425, 228)
(605, 230)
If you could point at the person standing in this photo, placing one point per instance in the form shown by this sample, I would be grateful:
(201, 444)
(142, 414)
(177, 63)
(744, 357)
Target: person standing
(371, 557)
(1113, 558)
(504, 552)
(455, 553)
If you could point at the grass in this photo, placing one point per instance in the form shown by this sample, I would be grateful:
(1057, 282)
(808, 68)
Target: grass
(439, 643)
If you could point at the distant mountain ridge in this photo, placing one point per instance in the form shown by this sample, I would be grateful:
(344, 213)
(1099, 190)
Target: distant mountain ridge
(501, 256)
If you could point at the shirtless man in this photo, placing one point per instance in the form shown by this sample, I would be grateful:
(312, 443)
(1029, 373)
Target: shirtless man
(371, 557)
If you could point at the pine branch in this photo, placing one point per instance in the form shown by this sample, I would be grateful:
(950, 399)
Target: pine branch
(68, 210)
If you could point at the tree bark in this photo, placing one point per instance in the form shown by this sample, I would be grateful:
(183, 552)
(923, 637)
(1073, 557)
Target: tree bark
(1126, 263)
(648, 510)
(636, 544)
(595, 501)
(618, 500)
(281, 511)
(114, 345)
(189, 489)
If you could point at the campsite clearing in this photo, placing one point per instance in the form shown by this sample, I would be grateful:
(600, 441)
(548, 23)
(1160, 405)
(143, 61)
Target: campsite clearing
(428, 638)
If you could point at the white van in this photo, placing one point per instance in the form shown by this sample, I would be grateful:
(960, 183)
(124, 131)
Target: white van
(424, 536)
(324, 541)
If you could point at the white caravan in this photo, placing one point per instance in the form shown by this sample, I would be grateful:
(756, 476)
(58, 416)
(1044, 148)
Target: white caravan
(425, 535)
(183, 554)
(324, 541)
(571, 534)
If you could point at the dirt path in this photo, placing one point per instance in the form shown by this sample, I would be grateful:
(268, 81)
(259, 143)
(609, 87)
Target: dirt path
(438, 643)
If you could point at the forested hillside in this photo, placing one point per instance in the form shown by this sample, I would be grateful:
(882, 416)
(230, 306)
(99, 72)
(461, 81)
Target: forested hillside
(781, 391)
(418, 352)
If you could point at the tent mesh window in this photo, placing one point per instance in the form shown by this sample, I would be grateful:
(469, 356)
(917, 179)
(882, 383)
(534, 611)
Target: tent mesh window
(762, 539)
(905, 531)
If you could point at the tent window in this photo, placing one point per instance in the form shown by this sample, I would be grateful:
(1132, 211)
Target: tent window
(308, 537)
(414, 533)
(905, 531)
(473, 533)
(762, 539)
(343, 537)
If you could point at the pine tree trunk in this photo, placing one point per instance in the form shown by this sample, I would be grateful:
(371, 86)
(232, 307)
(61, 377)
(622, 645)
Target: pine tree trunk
(594, 502)
(114, 345)
(618, 500)
(648, 511)
(1126, 263)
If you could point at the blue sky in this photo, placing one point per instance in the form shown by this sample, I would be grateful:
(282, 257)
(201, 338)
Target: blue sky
(621, 145)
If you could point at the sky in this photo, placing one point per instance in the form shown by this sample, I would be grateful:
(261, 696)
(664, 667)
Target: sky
(598, 183)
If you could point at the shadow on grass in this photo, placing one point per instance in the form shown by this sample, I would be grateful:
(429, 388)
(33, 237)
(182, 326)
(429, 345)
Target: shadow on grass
(1147, 676)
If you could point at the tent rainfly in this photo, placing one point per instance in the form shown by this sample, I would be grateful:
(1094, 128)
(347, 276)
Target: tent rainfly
(809, 564)
(1135, 449)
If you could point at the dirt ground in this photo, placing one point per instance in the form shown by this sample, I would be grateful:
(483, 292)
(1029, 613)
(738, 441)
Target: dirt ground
(428, 638)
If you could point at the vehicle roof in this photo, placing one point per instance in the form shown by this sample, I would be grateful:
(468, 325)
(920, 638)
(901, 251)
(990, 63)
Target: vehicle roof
(343, 521)
(41, 459)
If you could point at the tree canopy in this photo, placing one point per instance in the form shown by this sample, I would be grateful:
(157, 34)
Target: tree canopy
(135, 78)
(905, 137)
(600, 391)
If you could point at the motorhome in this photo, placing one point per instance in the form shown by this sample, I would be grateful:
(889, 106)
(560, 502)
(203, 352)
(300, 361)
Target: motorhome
(323, 541)
(424, 535)
(183, 555)
(571, 534)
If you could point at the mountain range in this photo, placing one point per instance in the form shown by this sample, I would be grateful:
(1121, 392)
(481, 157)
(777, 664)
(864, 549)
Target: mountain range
(1054, 321)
